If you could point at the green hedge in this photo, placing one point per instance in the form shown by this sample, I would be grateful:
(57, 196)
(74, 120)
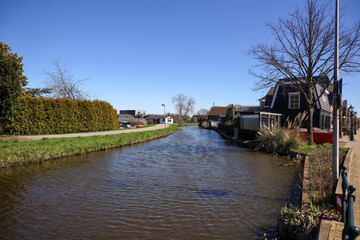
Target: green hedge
(54, 116)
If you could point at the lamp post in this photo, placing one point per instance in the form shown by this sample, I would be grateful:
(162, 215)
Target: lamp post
(355, 115)
(351, 110)
(344, 122)
(164, 114)
(335, 158)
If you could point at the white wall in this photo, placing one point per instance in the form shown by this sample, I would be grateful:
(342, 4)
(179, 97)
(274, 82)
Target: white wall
(169, 120)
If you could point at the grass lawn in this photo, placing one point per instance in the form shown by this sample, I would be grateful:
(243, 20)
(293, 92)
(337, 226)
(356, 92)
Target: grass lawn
(18, 153)
(307, 149)
(119, 129)
(190, 124)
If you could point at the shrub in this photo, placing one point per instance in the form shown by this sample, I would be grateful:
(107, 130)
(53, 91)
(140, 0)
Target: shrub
(320, 174)
(296, 225)
(236, 122)
(204, 124)
(274, 140)
(298, 121)
(56, 116)
(11, 82)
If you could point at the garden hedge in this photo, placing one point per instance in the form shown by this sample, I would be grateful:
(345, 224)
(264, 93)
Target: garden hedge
(55, 116)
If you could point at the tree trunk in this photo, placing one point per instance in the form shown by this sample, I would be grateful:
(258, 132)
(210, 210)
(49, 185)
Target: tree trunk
(310, 137)
(180, 121)
(340, 122)
(310, 122)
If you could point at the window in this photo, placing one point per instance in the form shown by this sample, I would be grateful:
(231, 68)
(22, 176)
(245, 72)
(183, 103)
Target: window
(324, 97)
(294, 100)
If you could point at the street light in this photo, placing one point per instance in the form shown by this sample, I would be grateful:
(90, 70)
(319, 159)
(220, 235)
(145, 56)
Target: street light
(335, 138)
(164, 114)
(351, 111)
(355, 115)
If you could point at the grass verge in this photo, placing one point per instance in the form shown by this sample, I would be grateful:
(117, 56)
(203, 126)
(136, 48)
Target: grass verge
(190, 124)
(19, 153)
(119, 129)
(115, 129)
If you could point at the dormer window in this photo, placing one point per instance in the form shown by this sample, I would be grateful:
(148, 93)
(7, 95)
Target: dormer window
(294, 100)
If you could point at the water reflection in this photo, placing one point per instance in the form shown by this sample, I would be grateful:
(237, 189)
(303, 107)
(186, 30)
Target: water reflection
(190, 185)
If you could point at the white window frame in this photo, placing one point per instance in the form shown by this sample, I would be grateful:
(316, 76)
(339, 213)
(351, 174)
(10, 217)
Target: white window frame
(289, 101)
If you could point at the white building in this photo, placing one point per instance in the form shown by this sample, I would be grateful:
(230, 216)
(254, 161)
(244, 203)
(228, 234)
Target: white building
(168, 120)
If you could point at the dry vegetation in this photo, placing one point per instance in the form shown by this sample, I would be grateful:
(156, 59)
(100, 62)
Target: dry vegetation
(281, 140)
(293, 223)
(297, 225)
(304, 225)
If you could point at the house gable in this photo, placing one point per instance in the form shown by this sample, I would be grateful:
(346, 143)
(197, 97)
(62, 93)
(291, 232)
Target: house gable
(288, 101)
(268, 97)
(217, 111)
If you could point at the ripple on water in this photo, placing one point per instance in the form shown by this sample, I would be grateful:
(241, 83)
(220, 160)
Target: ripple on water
(190, 185)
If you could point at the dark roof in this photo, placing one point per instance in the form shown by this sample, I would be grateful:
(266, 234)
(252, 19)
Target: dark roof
(321, 83)
(323, 101)
(268, 97)
(217, 111)
(323, 80)
(241, 108)
(154, 117)
(126, 116)
(139, 120)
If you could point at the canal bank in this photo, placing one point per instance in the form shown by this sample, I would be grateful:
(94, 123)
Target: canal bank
(333, 230)
(85, 134)
(19, 153)
(253, 144)
(301, 218)
(193, 184)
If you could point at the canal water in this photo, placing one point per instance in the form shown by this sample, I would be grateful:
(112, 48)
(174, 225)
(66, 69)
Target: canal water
(191, 185)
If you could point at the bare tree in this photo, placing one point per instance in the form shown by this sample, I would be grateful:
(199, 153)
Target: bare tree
(304, 48)
(184, 106)
(62, 82)
(37, 92)
(202, 114)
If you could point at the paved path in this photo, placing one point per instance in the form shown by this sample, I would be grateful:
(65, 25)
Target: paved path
(330, 230)
(333, 229)
(39, 137)
(355, 176)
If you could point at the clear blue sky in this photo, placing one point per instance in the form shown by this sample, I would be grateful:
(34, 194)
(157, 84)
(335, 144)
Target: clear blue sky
(138, 54)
